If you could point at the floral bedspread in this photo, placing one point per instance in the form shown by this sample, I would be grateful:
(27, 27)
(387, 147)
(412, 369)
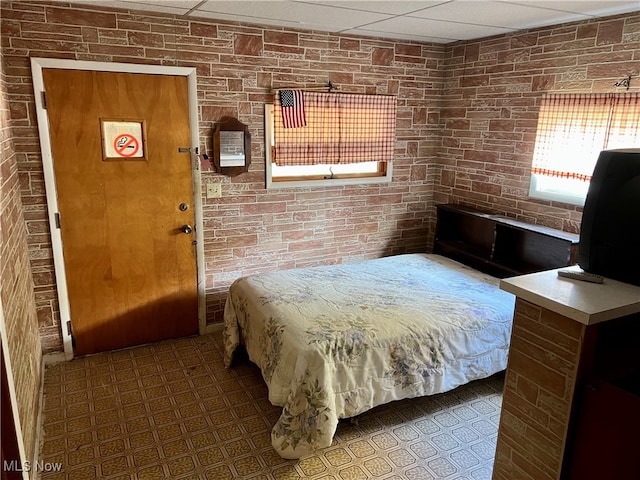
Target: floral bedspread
(335, 341)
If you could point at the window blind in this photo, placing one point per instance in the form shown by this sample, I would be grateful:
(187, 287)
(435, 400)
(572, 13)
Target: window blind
(340, 128)
(574, 128)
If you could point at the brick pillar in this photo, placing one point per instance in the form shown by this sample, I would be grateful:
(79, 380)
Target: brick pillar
(539, 388)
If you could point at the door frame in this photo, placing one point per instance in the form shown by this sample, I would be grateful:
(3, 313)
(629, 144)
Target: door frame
(37, 65)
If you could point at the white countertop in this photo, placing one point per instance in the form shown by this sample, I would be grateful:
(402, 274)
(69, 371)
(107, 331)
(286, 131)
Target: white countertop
(584, 302)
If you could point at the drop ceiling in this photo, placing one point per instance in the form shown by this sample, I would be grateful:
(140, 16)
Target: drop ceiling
(437, 21)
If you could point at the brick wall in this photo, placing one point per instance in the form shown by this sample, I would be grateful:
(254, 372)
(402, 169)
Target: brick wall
(476, 149)
(249, 229)
(16, 286)
(539, 389)
(491, 96)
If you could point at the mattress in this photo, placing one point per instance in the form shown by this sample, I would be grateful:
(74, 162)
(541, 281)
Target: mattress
(335, 341)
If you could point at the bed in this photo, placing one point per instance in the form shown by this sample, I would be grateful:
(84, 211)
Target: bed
(335, 341)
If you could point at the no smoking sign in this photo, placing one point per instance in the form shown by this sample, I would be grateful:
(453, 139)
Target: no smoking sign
(126, 145)
(122, 139)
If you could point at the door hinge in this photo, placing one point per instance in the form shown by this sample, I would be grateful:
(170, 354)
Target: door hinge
(70, 333)
(44, 99)
(57, 217)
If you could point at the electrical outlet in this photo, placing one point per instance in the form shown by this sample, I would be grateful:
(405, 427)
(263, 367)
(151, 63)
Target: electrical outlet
(214, 190)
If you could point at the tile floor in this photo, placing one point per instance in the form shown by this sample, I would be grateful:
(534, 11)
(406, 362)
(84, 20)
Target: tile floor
(172, 411)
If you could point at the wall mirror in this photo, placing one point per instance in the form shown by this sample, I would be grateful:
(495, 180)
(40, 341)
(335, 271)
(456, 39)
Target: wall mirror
(231, 147)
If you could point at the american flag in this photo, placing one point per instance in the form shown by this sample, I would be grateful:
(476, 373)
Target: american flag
(292, 104)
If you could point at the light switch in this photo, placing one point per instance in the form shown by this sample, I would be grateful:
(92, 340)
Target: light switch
(214, 190)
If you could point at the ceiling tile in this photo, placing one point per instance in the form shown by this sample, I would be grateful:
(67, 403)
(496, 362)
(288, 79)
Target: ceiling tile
(176, 7)
(497, 14)
(438, 21)
(397, 36)
(591, 8)
(434, 28)
(390, 7)
(304, 15)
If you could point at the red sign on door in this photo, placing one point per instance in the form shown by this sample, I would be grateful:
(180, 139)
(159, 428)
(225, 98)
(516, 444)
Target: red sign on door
(126, 145)
(122, 139)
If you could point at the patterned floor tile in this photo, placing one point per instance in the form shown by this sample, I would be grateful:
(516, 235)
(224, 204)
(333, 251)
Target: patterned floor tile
(172, 411)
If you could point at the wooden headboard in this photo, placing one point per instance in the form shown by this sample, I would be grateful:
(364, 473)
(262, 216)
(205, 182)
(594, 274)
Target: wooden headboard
(499, 245)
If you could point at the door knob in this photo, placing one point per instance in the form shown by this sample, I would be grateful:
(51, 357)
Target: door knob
(186, 229)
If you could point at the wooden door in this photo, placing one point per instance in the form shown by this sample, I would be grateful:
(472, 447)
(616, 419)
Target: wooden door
(130, 269)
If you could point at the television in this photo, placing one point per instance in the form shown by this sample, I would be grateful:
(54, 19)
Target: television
(610, 228)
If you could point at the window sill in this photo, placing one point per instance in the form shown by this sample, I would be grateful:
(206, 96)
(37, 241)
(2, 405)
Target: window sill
(553, 196)
(328, 182)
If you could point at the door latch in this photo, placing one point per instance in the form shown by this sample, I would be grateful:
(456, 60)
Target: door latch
(195, 150)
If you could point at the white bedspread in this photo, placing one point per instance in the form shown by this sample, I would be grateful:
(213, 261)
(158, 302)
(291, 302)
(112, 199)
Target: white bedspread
(335, 341)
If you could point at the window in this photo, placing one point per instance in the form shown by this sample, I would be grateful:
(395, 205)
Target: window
(336, 139)
(572, 130)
